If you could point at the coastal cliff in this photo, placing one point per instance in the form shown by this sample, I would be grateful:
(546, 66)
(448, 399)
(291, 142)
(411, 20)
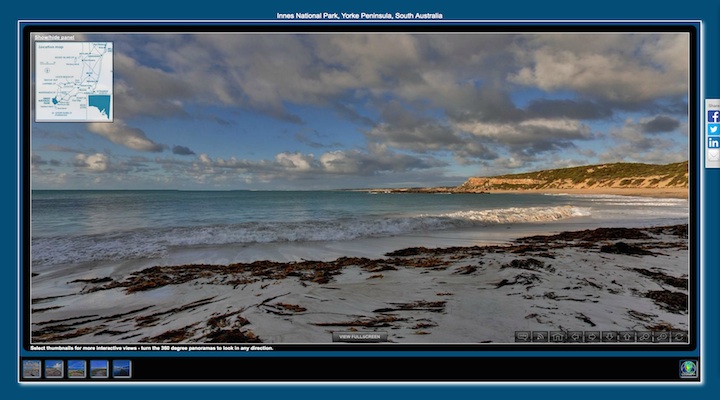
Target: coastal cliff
(615, 176)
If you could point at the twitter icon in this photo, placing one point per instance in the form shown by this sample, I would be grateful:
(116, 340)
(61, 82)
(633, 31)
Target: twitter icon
(713, 129)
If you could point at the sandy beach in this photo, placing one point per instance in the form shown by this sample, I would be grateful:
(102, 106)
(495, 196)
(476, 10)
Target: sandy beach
(618, 279)
(668, 192)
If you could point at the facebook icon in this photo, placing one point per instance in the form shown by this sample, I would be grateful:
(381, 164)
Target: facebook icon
(713, 116)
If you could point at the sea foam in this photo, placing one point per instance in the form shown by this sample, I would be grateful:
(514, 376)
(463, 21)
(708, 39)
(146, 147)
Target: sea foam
(155, 242)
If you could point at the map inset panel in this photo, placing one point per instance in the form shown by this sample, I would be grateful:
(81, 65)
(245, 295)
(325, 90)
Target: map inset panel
(73, 81)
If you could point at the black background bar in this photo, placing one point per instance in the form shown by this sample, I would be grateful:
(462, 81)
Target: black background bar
(400, 369)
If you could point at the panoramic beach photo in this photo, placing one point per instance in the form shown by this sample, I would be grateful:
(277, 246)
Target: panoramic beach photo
(400, 187)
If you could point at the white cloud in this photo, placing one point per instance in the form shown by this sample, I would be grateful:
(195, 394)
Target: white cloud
(528, 133)
(287, 166)
(205, 159)
(633, 144)
(97, 162)
(338, 162)
(295, 161)
(625, 68)
(420, 97)
(122, 134)
(456, 72)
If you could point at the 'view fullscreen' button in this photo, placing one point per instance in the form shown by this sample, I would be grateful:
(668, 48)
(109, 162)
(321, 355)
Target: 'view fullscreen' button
(360, 337)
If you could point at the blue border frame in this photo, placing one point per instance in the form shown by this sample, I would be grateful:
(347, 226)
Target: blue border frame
(707, 12)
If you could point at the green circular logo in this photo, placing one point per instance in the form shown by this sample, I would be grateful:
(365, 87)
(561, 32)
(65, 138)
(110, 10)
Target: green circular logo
(688, 367)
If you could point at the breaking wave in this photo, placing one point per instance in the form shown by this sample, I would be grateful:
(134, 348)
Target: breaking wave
(155, 242)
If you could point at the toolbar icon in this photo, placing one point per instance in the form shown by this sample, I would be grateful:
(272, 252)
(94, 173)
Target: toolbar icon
(522, 337)
(575, 337)
(645, 337)
(661, 337)
(679, 336)
(558, 336)
(592, 337)
(540, 336)
(609, 336)
(627, 337)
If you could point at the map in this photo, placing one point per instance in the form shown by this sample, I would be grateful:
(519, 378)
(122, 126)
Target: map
(73, 81)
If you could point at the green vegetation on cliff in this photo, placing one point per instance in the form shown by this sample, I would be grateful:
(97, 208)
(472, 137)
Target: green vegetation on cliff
(617, 175)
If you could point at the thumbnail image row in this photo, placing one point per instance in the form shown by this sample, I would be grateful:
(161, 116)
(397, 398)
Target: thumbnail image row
(32, 369)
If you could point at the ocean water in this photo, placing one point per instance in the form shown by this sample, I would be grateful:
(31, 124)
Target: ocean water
(70, 227)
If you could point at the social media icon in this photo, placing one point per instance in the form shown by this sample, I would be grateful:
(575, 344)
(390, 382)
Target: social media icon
(713, 129)
(713, 116)
(714, 155)
(713, 143)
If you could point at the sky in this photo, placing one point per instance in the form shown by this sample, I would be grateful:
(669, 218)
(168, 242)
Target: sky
(361, 110)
